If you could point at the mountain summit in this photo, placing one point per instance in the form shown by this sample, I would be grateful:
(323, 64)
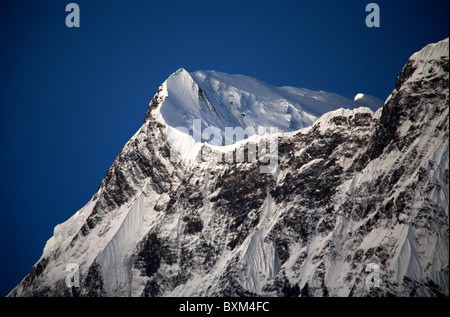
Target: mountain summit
(357, 206)
(222, 100)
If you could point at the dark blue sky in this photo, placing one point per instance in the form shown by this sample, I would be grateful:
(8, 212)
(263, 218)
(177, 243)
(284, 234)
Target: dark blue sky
(70, 98)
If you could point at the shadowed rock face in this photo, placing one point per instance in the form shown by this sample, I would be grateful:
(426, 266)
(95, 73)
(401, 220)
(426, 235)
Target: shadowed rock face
(355, 188)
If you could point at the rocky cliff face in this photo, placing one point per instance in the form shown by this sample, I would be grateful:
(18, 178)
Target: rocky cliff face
(355, 190)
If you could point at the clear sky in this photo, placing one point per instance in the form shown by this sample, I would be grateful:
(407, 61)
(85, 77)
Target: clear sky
(71, 98)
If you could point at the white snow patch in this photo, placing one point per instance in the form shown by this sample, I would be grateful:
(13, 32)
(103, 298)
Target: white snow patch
(358, 96)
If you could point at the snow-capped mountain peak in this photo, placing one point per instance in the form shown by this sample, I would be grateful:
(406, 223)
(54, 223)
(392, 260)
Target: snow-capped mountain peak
(221, 100)
(218, 100)
(354, 190)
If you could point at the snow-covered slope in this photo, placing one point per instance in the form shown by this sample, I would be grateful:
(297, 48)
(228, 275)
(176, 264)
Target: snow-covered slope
(222, 100)
(355, 189)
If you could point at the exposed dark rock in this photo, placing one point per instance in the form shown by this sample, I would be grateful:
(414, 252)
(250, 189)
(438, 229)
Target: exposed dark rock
(193, 225)
(151, 255)
(93, 283)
